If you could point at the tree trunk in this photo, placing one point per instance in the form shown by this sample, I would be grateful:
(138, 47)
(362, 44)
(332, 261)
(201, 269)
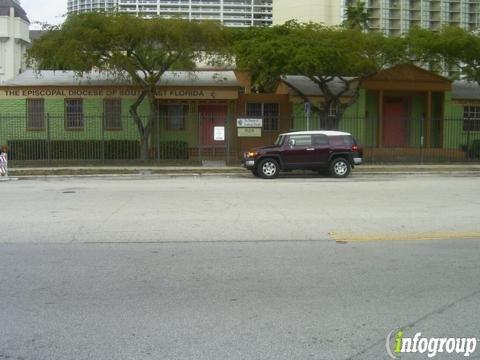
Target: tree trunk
(144, 155)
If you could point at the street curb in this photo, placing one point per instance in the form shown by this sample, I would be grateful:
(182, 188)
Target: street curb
(231, 171)
(242, 175)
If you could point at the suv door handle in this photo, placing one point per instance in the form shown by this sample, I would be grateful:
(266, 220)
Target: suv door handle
(310, 149)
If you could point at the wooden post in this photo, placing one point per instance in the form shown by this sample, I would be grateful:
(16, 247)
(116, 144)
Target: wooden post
(380, 119)
(428, 125)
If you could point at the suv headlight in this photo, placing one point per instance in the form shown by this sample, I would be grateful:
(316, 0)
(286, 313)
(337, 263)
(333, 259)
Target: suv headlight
(251, 154)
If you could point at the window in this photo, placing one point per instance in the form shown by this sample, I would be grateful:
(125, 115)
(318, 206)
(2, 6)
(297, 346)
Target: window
(471, 118)
(301, 140)
(328, 123)
(74, 114)
(269, 112)
(35, 114)
(113, 113)
(341, 140)
(173, 116)
(320, 140)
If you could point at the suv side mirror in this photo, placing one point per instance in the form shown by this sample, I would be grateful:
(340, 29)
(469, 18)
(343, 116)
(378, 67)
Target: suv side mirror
(291, 142)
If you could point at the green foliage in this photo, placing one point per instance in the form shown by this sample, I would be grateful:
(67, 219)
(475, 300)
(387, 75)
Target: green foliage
(92, 150)
(356, 16)
(124, 43)
(319, 53)
(452, 46)
(128, 48)
(73, 149)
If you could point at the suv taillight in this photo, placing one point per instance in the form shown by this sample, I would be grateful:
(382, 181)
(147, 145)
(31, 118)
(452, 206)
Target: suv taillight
(354, 148)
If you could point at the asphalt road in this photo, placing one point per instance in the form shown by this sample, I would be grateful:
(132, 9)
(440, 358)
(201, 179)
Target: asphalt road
(154, 209)
(115, 269)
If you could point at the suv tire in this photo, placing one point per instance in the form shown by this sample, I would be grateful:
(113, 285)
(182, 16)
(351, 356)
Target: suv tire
(340, 168)
(268, 168)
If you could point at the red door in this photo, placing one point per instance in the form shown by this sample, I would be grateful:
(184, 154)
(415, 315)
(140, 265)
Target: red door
(394, 123)
(210, 117)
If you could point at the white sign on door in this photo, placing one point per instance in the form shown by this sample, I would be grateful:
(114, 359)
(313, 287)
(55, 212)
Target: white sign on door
(219, 133)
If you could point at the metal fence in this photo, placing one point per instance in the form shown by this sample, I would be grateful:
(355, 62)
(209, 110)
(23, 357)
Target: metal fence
(57, 139)
(412, 140)
(194, 139)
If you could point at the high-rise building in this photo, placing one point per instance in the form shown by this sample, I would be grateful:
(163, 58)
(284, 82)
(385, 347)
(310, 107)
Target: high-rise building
(14, 39)
(236, 13)
(328, 12)
(394, 17)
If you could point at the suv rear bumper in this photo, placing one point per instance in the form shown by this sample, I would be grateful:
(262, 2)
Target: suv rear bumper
(357, 160)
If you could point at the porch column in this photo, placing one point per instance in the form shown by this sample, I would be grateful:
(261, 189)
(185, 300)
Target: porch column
(380, 119)
(428, 125)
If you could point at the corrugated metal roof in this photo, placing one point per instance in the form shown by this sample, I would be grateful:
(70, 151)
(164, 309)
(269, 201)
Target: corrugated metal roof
(461, 89)
(465, 90)
(309, 88)
(171, 78)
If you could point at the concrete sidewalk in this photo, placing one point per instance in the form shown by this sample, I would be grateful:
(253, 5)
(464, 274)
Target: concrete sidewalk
(226, 170)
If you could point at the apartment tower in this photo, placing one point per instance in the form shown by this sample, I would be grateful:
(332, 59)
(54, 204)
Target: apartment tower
(393, 17)
(236, 13)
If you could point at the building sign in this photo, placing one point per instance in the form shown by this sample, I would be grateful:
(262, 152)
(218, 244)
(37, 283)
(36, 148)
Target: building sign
(249, 123)
(249, 132)
(219, 133)
(119, 92)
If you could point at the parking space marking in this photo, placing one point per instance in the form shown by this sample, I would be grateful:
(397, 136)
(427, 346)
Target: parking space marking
(346, 238)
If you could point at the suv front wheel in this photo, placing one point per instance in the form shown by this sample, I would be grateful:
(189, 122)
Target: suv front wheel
(268, 168)
(340, 168)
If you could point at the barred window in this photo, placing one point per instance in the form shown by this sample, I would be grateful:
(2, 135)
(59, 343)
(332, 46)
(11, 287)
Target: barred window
(471, 118)
(36, 114)
(74, 114)
(173, 116)
(113, 113)
(269, 112)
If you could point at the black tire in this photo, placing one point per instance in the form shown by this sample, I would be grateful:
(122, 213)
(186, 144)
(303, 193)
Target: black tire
(340, 168)
(268, 168)
(255, 172)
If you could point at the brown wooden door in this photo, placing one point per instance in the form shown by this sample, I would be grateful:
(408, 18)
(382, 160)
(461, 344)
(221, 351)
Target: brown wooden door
(394, 123)
(211, 116)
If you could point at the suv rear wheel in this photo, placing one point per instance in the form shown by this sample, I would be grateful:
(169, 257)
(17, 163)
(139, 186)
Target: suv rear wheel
(268, 168)
(340, 168)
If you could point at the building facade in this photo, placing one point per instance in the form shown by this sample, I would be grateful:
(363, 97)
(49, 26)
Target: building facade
(57, 116)
(327, 12)
(401, 114)
(14, 39)
(235, 13)
(404, 113)
(394, 17)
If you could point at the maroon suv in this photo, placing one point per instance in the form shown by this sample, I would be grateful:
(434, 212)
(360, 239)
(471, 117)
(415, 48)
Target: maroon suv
(335, 151)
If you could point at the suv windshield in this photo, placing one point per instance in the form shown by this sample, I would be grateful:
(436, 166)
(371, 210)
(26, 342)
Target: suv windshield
(279, 140)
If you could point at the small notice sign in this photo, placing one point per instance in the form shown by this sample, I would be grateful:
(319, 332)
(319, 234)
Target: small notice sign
(219, 133)
(249, 123)
(249, 132)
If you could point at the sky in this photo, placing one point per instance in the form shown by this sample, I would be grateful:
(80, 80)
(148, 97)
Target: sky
(49, 11)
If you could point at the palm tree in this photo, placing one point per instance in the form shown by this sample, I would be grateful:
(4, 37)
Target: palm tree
(356, 16)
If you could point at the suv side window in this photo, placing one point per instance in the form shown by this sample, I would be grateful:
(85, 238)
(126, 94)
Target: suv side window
(301, 140)
(320, 140)
(341, 140)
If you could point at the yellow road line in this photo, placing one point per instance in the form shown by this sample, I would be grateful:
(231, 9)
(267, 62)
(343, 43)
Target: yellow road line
(474, 235)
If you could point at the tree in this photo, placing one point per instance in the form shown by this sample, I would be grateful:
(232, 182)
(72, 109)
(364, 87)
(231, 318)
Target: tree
(129, 48)
(336, 60)
(356, 16)
(451, 47)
